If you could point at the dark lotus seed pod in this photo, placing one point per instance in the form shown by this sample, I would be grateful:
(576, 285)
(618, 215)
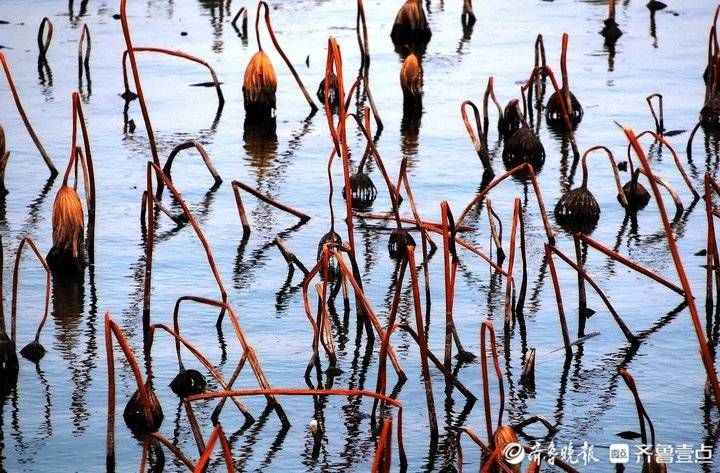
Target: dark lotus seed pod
(524, 147)
(333, 94)
(188, 383)
(398, 242)
(511, 120)
(134, 413)
(411, 25)
(9, 366)
(636, 195)
(710, 113)
(363, 191)
(33, 351)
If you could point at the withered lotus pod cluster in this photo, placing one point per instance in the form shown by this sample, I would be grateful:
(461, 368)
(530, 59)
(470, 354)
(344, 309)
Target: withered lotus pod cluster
(553, 109)
(411, 26)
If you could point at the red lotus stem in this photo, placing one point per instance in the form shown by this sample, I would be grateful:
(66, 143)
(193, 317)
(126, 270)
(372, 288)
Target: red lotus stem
(261, 4)
(84, 53)
(706, 355)
(511, 261)
(28, 126)
(659, 137)
(217, 434)
(241, 211)
(613, 164)
(487, 452)
(475, 137)
(269, 200)
(449, 286)
(490, 93)
(16, 281)
(167, 169)
(558, 298)
(383, 451)
(434, 227)
(44, 45)
(432, 417)
(630, 264)
(712, 250)
(138, 85)
(584, 276)
(78, 112)
(525, 167)
(564, 73)
(150, 239)
(189, 57)
(487, 326)
(111, 328)
(659, 119)
(315, 392)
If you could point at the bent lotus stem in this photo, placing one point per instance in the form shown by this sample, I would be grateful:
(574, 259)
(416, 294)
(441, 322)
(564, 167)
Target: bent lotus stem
(565, 76)
(43, 41)
(150, 240)
(167, 169)
(217, 434)
(487, 327)
(660, 138)
(182, 55)
(180, 340)
(527, 168)
(475, 137)
(28, 126)
(705, 352)
(86, 41)
(510, 284)
(658, 117)
(16, 281)
(642, 413)
(616, 174)
(316, 392)
(494, 233)
(262, 4)
(155, 436)
(558, 299)
(113, 330)
(490, 93)
(269, 200)
(565, 112)
(671, 190)
(487, 451)
(712, 258)
(242, 13)
(138, 83)
(363, 43)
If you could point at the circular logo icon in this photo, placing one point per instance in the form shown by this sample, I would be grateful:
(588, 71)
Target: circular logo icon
(514, 453)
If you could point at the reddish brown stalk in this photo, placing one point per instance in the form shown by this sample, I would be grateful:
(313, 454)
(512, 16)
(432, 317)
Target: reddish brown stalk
(630, 264)
(167, 169)
(582, 295)
(613, 164)
(269, 200)
(558, 298)
(383, 451)
(16, 282)
(247, 349)
(241, 211)
(28, 126)
(315, 392)
(642, 415)
(671, 190)
(487, 326)
(582, 274)
(319, 327)
(43, 41)
(326, 336)
(510, 284)
(367, 308)
(563, 106)
(84, 53)
(487, 452)
(182, 55)
(363, 43)
(659, 137)
(658, 117)
(564, 72)
(476, 137)
(289, 256)
(149, 244)
(540, 60)
(179, 339)
(261, 4)
(705, 352)
(490, 93)
(420, 324)
(167, 444)
(217, 434)
(711, 264)
(138, 86)
(425, 225)
(111, 328)
(450, 263)
(536, 189)
(495, 236)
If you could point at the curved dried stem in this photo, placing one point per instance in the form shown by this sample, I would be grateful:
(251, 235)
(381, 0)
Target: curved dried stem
(167, 169)
(660, 138)
(558, 299)
(613, 164)
(16, 282)
(487, 326)
(490, 93)
(262, 4)
(479, 148)
(383, 451)
(167, 444)
(242, 13)
(315, 392)
(522, 168)
(642, 413)
(658, 117)
(564, 73)
(217, 434)
(705, 352)
(28, 126)
(43, 41)
(269, 200)
(86, 41)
